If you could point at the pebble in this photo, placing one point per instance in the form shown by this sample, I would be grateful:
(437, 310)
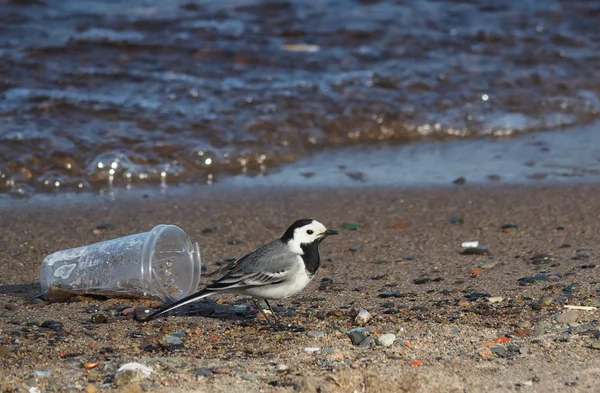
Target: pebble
(363, 317)
(91, 365)
(421, 280)
(367, 342)
(499, 350)
(90, 389)
(11, 306)
(385, 295)
(99, 318)
(52, 325)
(567, 317)
(356, 337)
(539, 259)
(595, 344)
(311, 349)
(359, 329)
(386, 339)
(316, 334)
(221, 370)
(495, 299)
(130, 373)
(281, 367)
(203, 372)
(41, 373)
(506, 228)
(250, 377)
(533, 279)
(470, 244)
(540, 330)
(488, 264)
(456, 220)
(476, 251)
(4, 350)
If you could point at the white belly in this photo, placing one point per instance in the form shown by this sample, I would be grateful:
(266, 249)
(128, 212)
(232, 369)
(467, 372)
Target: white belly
(298, 280)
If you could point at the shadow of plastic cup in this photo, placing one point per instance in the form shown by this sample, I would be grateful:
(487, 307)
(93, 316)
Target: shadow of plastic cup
(160, 263)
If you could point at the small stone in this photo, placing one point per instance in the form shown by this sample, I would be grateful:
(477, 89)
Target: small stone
(386, 340)
(356, 337)
(203, 372)
(131, 373)
(363, 317)
(41, 373)
(488, 264)
(506, 228)
(456, 220)
(499, 350)
(91, 365)
(385, 295)
(316, 334)
(470, 244)
(476, 251)
(11, 306)
(52, 325)
(281, 367)
(495, 299)
(595, 344)
(4, 350)
(540, 330)
(539, 259)
(311, 349)
(460, 181)
(567, 317)
(486, 353)
(533, 279)
(90, 389)
(221, 370)
(367, 342)
(351, 225)
(250, 377)
(421, 280)
(99, 318)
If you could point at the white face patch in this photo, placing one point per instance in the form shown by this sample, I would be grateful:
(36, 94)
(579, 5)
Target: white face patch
(305, 235)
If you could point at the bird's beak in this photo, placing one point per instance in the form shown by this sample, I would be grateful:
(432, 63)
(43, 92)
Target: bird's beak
(330, 232)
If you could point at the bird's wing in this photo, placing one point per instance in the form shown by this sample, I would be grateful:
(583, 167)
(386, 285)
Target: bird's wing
(228, 267)
(268, 265)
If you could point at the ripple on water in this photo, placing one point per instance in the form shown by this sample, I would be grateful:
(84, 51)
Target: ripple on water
(177, 91)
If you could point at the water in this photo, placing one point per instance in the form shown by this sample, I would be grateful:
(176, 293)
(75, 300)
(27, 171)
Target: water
(103, 92)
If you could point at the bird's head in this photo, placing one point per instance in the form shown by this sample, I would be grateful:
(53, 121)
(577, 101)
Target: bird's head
(306, 231)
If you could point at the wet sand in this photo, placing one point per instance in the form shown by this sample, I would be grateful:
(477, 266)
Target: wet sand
(449, 336)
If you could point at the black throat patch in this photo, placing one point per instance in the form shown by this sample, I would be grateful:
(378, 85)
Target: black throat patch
(311, 257)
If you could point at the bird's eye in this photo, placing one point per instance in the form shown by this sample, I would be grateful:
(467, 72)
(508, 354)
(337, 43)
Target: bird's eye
(310, 232)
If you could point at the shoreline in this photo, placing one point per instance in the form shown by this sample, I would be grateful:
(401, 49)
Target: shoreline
(542, 158)
(436, 299)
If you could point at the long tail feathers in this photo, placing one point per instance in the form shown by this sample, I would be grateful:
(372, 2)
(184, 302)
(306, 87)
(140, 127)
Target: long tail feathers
(182, 302)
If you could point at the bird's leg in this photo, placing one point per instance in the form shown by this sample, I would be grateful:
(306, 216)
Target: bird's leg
(275, 316)
(258, 306)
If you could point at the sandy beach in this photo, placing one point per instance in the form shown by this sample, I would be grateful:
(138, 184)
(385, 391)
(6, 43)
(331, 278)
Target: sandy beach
(462, 323)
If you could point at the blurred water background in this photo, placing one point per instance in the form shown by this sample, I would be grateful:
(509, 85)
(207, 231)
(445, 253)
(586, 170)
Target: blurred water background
(97, 93)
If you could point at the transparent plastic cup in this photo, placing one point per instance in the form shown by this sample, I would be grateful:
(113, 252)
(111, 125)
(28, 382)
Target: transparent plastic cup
(160, 263)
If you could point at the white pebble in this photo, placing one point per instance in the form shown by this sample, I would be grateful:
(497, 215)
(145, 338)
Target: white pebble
(495, 299)
(470, 244)
(311, 349)
(363, 317)
(386, 339)
(135, 367)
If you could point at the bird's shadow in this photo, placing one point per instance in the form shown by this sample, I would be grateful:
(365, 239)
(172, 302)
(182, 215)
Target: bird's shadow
(240, 313)
(25, 291)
